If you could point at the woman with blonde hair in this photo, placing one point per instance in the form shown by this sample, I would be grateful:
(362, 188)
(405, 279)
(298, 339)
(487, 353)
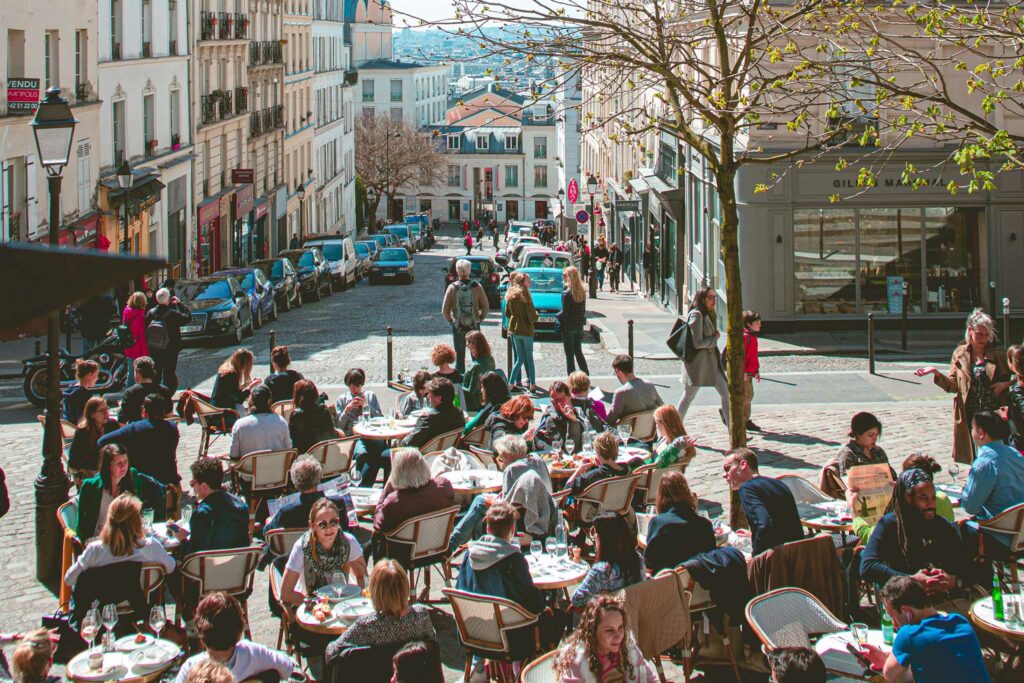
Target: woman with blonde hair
(134, 318)
(572, 319)
(394, 620)
(979, 375)
(522, 319)
(122, 539)
(33, 658)
(234, 382)
(579, 387)
(483, 362)
(673, 445)
(677, 532)
(601, 650)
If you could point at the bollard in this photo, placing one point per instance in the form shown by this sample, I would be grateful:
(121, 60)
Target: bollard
(508, 356)
(629, 323)
(391, 351)
(273, 343)
(992, 297)
(39, 348)
(903, 327)
(1006, 321)
(871, 343)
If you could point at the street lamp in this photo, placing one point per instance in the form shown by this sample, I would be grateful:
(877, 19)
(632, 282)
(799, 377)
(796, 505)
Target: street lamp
(125, 180)
(54, 128)
(592, 186)
(561, 213)
(301, 190)
(371, 198)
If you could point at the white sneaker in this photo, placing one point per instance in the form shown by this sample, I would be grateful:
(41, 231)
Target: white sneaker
(479, 675)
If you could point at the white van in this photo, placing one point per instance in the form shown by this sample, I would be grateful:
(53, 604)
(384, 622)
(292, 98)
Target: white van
(341, 254)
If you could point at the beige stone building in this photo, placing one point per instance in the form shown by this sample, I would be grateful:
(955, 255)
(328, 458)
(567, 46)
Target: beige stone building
(299, 125)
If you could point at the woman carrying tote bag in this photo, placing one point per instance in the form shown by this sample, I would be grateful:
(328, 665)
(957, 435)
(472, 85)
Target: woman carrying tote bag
(705, 370)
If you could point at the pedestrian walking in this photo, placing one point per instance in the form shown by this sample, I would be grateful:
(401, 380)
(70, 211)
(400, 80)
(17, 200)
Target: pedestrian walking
(464, 307)
(522, 320)
(647, 262)
(467, 242)
(572, 318)
(134, 318)
(751, 364)
(294, 242)
(599, 255)
(614, 267)
(585, 260)
(480, 238)
(95, 318)
(163, 336)
(705, 370)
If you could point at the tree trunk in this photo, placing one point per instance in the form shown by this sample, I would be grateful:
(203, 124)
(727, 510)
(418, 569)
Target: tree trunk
(733, 325)
(371, 220)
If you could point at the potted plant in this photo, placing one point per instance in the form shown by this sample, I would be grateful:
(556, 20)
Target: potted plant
(245, 23)
(153, 144)
(175, 142)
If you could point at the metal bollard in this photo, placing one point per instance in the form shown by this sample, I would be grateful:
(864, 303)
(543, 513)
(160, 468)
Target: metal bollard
(273, 343)
(1006, 320)
(391, 351)
(871, 343)
(992, 297)
(629, 323)
(903, 327)
(508, 356)
(39, 348)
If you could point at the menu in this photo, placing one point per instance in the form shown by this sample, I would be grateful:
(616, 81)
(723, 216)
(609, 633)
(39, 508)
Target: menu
(335, 489)
(874, 486)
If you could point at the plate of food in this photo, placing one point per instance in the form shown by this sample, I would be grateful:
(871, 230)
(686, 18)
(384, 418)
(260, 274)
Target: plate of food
(157, 656)
(350, 610)
(88, 667)
(133, 643)
(320, 612)
(348, 590)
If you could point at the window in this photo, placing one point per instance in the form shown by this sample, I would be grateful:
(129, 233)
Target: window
(481, 142)
(396, 90)
(148, 132)
(453, 210)
(172, 26)
(119, 150)
(454, 141)
(540, 176)
(952, 259)
(175, 116)
(368, 92)
(51, 61)
(396, 113)
(80, 64)
(511, 141)
(540, 147)
(454, 176)
(511, 176)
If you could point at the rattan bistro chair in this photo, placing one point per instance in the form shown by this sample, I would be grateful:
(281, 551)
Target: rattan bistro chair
(641, 426)
(614, 494)
(422, 542)
(483, 622)
(478, 436)
(540, 670)
(265, 474)
(335, 455)
(1008, 524)
(213, 421)
(230, 571)
(442, 442)
(804, 491)
(650, 478)
(790, 617)
(283, 408)
(700, 602)
(281, 541)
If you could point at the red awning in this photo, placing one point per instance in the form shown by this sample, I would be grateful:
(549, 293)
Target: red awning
(243, 200)
(209, 211)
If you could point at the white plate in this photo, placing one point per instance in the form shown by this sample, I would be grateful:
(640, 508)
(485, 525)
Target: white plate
(114, 666)
(349, 590)
(153, 658)
(350, 610)
(128, 644)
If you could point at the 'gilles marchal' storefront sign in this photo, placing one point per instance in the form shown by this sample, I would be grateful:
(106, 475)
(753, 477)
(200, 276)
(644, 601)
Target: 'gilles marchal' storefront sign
(22, 95)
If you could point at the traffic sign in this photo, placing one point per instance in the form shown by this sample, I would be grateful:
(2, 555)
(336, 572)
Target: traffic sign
(573, 193)
(581, 229)
(582, 216)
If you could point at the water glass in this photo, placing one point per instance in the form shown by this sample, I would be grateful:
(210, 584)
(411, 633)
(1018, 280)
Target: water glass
(186, 514)
(588, 440)
(860, 633)
(562, 548)
(147, 520)
(624, 432)
(157, 619)
(550, 546)
(570, 446)
(536, 550)
(337, 583)
(357, 475)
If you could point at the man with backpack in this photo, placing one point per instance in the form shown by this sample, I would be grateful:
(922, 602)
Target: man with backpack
(464, 307)
(163, 336)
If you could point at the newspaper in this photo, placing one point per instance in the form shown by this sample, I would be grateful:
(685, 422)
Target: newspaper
(874, 488)
(335, 489)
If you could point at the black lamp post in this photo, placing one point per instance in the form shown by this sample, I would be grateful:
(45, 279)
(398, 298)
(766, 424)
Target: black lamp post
(125, 180)
(592, 279)
(371, 203)
(54, 129)
(301, 190)
(561, 214)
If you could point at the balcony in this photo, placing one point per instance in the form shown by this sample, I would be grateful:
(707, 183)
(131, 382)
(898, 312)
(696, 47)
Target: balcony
(208, 26)
(266, 120)
(351, 77)
(217, 106)
(265, 52)
(241, 26)
(225, 25)
(241, 100)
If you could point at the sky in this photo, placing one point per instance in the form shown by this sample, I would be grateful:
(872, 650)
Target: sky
(429, 10)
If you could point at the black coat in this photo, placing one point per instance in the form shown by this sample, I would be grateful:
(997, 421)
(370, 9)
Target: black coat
(676, 535)
(434, 423)
(311, 426)
(173, 317)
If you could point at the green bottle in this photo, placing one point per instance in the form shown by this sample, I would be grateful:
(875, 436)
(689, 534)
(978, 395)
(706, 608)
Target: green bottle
(997, 597)
(887, 636)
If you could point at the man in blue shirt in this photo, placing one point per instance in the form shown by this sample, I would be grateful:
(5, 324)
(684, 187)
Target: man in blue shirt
(930, 646)
(995, 483)
(152, 442)
(768, 503)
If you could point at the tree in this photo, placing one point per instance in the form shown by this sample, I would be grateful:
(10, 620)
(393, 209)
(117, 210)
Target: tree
(393, 157)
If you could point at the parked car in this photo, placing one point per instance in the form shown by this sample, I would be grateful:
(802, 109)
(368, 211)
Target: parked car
(261, 293)
(546, 292)
(484, 271)
(314, 271)
(283, 278)
(341, 256)
(403, 235)
(417, 235)
(522, 244)
(515, 240)
(364, 252)
(383, 240)
(391, 264)
(220, 308)
(544, 258)
(524, 228)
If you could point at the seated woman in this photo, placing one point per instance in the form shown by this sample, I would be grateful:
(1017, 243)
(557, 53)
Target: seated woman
(862, 449)
(355, 403)
(673, 445)
(482, 362)
(233, 383)
(283, 379)
(121, 540)
(677, 532)
(601, 649)
(618, 563)
(115, 477)
(579, 385)
(417, 398)
(417, 662)
(493, 395)
(513, 418)
(394, 620)
(442, 356)
(74, 398)
(33, 658)
(311, 422)
(84, 453)
(319, 553)
(410, 491)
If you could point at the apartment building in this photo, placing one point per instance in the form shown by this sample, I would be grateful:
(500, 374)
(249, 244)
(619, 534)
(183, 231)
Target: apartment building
(500, 160)
(40, 48)
(298, 171)
(417, 93)
(334, 137)
(568, 100)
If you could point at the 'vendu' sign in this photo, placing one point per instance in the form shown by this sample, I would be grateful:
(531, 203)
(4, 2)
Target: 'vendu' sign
(573, 193)
(22, 95)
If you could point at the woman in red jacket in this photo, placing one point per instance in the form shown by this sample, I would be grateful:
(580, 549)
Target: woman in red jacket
(134, 318)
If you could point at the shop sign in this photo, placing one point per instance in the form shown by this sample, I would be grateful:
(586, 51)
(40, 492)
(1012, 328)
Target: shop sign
(243, 200)
(209, 212)
(242, 176)
(573, 193)
(627, 205)
(262, 209)
(22, 95)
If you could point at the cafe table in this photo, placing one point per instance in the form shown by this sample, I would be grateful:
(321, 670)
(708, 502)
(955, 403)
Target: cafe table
(344, 612)
(551, 573)
(563, 466)
(826, 516)
(983, 617)
(364, 499)
(474, 481)
(382, 429)
(954, 493)
(169, 541)
(838, 660)
(141, 663)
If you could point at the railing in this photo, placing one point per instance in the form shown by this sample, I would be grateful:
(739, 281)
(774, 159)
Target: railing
(147, 49)
(351, 77)
(265, 52)
(241, 26)
(241, 100)
(255, 124)
(225, 25)
(211, 112)
(217, 106)
(266, 120)
(81, 92)
(208, 26)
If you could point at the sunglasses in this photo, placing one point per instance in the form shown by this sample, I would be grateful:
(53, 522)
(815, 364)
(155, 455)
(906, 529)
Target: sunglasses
(329, 524)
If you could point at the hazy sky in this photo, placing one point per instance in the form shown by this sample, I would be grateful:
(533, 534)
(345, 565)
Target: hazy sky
(430, 10)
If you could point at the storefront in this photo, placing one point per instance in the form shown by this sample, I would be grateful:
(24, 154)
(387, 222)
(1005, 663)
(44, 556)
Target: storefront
(260, 242)
(243, 229)
(214, 222)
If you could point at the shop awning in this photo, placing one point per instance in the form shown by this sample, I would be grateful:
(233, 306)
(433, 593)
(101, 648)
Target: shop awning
(262, 206)
(146, 188)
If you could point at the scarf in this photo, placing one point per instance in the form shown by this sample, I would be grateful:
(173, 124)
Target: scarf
(316, 571)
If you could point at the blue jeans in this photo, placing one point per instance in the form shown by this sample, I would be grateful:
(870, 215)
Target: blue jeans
(522, 349)
(372, 457)
(471, 526)
(600, 277)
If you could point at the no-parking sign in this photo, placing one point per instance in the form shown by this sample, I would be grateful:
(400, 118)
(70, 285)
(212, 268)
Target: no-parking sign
(582, 216)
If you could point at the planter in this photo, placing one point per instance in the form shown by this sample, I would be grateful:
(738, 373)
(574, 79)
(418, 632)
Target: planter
(175, 147)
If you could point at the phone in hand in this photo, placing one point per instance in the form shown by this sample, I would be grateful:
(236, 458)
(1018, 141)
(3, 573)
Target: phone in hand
(859, 655)
(173, 527)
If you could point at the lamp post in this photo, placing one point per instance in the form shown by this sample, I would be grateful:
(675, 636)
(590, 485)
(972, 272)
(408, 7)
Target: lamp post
(125, 180)
(54, 128)
(371, 201)
(591, 278)
(561, 214)
(300, 189)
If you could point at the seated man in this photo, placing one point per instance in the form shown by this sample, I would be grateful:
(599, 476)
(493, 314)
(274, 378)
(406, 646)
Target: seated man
(930, 646)
(634, 396)
(305, 474)
(145, 384)
(74, 398)
(563, 419)
(444, 417)
(911, 540)
(995, 482)
(768, 503)
(152, 443)
(605, 466)
(282, 380)
(220, 520)
(260, 430)
(356, 403)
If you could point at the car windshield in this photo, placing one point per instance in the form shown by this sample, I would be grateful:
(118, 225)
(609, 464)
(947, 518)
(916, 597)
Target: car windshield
(404, 232)
(305, 259)
(547, 260)
(199, 291)
(393, 255)
(332, 250)
(247, 281)
(545, 283)
(272, 269)
(362, 249)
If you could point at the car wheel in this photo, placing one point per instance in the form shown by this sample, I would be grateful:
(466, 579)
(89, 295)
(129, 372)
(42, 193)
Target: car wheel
(273, 311)
(287, 302)
(239, 332)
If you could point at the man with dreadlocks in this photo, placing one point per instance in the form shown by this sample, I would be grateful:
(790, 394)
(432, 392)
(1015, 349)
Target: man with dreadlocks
(911, 540)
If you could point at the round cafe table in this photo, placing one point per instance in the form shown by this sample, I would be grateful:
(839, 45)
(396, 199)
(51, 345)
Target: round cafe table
(626, 455)
(336, 624)
(823, 517)
(486, 481)
(983, 617)
(166, 538)
(557, 575)
(364, 500)
(383, 431)
(125, 667)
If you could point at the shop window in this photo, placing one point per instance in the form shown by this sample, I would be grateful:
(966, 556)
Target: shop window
(825, 260)
(952, 260)
(890, 254)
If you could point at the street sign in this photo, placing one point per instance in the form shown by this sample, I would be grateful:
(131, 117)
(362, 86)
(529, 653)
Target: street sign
(582, 216)
(22, 95)
(581, 230)
(573, 193)
(627, 205)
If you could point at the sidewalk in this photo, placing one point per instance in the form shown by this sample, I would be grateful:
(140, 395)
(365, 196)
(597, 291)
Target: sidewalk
(610, 312)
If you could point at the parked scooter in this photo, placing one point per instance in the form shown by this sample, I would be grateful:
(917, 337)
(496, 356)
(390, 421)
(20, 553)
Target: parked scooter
(108, 354)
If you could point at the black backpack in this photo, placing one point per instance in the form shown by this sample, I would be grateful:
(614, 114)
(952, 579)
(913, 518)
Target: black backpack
(158, 337)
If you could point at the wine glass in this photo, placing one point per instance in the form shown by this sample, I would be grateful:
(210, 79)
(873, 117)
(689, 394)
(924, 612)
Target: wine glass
(551, 547)
(570, 446)
(186, 514)
(588, 440)
(90, 627)
(556, 444)
(536, 550)
(337, 583)
(109, 616)
(357, 475)
(954, 472)
(624, 433)
(157, 619)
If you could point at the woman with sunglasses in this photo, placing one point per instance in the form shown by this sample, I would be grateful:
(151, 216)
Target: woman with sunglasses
(84, 454)
(319, 553)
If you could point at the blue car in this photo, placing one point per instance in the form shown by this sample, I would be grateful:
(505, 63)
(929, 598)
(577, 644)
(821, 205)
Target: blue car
(391, 264)
(383, 240)
(254, 282)
(546, 292)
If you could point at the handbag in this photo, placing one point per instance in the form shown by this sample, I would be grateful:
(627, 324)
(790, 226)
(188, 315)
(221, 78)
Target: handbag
(680, 342)
(69, 643)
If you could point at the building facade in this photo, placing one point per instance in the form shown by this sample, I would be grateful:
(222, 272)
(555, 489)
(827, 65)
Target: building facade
(40, 48)
(299, 122)
(417, 93)
(568, 102)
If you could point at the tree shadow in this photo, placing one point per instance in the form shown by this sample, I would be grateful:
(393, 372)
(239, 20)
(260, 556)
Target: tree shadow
(796, 438)
(772, 458)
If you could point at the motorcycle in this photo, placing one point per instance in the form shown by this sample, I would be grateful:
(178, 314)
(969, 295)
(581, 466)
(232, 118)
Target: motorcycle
(108, 354)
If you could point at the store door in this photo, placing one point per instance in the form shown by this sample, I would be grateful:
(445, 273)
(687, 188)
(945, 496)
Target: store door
(1011, 275)
(512, 209)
